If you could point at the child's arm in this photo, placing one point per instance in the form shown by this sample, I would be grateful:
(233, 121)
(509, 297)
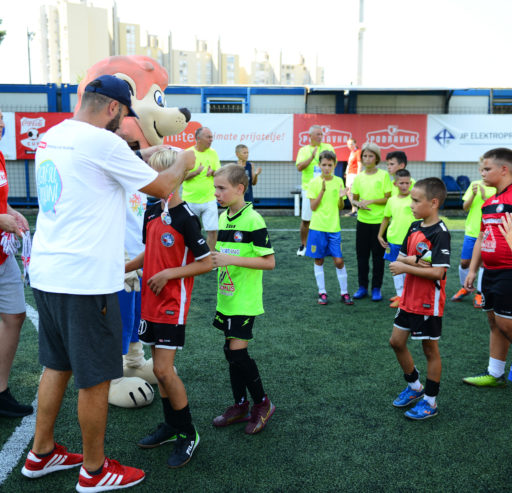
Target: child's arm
(423, 269)
(134, 264)
(506, 229)
(467, 203)
(159, 280)
(267, 262)
(476, 261)
(382, 201)
(316, 202)
(360, 204)
(383, 226)
(255, 174)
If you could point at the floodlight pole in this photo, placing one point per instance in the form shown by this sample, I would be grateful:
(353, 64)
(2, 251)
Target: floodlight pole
(30, 37)
(360, 46)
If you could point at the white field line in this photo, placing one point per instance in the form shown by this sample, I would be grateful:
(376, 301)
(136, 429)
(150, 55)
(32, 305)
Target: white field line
(13, 449)
(347, 229)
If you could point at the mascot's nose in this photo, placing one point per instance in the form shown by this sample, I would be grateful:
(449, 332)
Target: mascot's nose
(186, 113)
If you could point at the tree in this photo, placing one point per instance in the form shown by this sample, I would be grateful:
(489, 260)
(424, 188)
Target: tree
(2, 33)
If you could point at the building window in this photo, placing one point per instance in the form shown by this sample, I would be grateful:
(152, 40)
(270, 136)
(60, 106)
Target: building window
(225, 105)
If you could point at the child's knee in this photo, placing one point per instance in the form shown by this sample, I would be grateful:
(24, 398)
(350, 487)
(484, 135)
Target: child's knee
(464, 263)
(319, 261)
(163, 373)
(338, 262)
(396, 343)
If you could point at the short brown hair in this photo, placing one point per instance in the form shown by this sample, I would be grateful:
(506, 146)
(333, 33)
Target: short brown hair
(329, 155)
(502, 154)
(239, 147)
(235, 175)
(434, 188)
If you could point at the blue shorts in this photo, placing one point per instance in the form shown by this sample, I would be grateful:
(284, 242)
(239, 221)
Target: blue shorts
(392, 252)
(322, 244)
(129, 304)
(467, 247)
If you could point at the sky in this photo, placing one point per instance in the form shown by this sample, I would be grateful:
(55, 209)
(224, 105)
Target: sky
(407, 43)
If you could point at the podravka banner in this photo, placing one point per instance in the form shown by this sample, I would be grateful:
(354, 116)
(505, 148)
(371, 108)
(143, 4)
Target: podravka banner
(30, 127)
(390, 132)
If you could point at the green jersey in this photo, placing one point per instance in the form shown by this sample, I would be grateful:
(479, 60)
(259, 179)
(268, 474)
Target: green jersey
(398, 208)
(240, 289)
(394, 188)
(326, 218)
(371, 187)
(475, 211)
(313, 169)
(200, 189)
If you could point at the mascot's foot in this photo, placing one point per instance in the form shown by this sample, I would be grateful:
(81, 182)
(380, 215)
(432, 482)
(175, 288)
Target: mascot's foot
(144, 371)
(130, 392)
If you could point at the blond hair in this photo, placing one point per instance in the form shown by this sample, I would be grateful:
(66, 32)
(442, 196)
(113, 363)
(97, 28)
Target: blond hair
(161, 160)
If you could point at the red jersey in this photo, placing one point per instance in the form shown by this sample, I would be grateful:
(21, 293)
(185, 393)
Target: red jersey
(496, 253)
(424, 296)
(175, 244)
(4, 192)
(353, 159)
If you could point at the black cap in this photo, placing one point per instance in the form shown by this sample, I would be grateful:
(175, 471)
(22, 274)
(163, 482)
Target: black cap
(113, 87)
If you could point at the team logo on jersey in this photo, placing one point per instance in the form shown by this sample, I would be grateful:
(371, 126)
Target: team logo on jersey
(167, 240)
(488, 241)
(143, 326)
(226, 285)
(238, 236)
(500, 208)
(421, 248)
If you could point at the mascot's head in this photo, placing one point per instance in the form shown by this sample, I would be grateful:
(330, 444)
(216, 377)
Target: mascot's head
(147, 80)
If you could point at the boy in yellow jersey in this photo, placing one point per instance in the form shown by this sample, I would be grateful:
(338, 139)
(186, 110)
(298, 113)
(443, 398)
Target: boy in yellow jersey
(397, 160)
(398, 210)
(371, 190)
(326, 193)
(476, 194)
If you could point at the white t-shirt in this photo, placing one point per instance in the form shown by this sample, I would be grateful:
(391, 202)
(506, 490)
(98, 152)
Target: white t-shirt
(82, 173)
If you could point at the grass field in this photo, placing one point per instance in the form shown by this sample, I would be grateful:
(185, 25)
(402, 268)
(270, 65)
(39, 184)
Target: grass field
(332, 376)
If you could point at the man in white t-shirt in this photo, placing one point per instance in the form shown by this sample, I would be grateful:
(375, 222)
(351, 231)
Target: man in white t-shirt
(83, 172)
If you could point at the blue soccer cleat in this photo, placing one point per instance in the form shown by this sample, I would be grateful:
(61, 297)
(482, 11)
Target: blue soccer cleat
(422, 410)
(376, 294)
(360, 293)
(408, 396)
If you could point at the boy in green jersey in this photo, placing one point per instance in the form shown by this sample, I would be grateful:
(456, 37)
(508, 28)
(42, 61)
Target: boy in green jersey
(326, 193)
(396, 160)
(371, 190)
(476, 194)
(398, 210)
(244, 251)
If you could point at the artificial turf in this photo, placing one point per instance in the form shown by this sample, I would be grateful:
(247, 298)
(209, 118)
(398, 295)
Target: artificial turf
(332, 376)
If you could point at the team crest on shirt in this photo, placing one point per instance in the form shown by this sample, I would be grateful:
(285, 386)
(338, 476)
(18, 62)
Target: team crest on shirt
(238, 236)
(488, 241)
(167, 240)
(500, 208)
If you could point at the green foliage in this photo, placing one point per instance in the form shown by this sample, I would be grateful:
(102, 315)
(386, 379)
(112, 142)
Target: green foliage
(332, 376)
(2, 33)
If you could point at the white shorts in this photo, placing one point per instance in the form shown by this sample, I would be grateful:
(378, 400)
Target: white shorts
(350, 179)
(12, 298)
(208, 214)
(306, 207)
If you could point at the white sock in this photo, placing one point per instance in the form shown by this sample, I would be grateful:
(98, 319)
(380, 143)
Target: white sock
(496, 367)
(342, 279)
(463, 273)
(415, 385)
(399, 284)
(320, 278)
(479, 282)
(431, 399)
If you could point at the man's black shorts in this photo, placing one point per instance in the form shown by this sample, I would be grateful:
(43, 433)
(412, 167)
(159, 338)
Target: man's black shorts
(234, 326)
(165, 336)
(420, 326)
(497, 292)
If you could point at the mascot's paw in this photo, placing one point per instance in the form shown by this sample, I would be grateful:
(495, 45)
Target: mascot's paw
(144, 371)
(130, 392)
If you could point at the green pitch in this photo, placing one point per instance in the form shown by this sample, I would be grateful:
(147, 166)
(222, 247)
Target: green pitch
(332, 376)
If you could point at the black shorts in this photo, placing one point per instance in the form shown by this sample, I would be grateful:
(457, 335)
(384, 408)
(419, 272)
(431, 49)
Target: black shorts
(164, 336)
(496, 292)
(420, 326)
(82, 334)
(234, 326)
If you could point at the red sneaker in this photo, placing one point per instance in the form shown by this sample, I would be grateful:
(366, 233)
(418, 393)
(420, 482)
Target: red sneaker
(113, 477)
(58, 460)
(260, 414)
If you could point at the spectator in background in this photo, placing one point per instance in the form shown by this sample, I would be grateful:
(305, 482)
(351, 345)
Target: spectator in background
(242, 153)
(12, 298)
(354, 167)
(307, 164)
(198, 190)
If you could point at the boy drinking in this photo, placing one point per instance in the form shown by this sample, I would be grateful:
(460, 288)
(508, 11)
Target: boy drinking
(244, 252)
(326, 193)
(423, 258)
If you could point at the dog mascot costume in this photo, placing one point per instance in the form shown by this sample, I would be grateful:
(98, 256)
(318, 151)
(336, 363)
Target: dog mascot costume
(147, 80)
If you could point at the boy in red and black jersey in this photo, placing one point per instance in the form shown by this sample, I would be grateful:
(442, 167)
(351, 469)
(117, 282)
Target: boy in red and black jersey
(424, 258)
(492, 250)
(175, 253)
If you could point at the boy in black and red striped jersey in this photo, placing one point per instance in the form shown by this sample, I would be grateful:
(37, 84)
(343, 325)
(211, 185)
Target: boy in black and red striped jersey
(424, 258)
(175, 253)
(491, 249)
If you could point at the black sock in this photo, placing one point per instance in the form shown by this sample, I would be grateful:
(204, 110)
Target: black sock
(431, 388)
(237, 384)
(253, 382)
(166, 405)
(45, 455)
(182, 421)
(95, 473)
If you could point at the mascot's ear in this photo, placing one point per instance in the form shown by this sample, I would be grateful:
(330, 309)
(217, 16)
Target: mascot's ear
(131, 83)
